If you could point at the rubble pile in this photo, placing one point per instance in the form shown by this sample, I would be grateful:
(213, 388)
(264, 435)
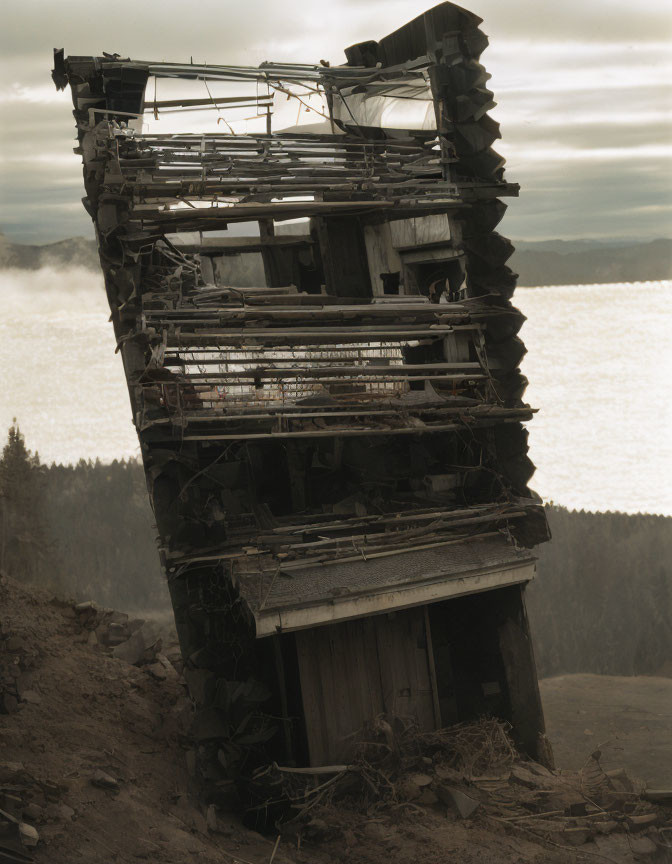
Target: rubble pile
(472, 772)
(135, 640)
(25, 800)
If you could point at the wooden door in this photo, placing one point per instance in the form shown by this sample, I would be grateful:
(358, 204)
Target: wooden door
(353, 671)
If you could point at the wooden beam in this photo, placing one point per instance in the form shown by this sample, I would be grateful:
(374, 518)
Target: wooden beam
(515, 641)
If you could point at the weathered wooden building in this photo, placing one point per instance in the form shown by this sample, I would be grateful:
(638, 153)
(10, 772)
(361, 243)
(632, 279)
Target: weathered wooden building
(323, 365)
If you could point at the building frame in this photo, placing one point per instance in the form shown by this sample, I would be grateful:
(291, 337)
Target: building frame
(323, 362)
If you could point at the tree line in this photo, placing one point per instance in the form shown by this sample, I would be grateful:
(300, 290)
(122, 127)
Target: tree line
(83, 530)
(602, 600)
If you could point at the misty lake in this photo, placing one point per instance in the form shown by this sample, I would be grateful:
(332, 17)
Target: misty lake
(599, 363)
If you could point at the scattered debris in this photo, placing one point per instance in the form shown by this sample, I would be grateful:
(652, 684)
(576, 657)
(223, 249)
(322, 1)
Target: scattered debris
(463, 804)
(135, 641)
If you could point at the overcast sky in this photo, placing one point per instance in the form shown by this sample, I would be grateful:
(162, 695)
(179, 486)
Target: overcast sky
(582, 88)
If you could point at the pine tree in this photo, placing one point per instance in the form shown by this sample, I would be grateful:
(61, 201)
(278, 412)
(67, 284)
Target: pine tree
(23, 540)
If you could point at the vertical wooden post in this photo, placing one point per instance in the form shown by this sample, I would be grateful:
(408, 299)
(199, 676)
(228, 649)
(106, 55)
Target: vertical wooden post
(515, 641)
(266, 232)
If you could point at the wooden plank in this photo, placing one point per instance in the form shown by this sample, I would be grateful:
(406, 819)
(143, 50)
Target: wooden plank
(284, 704)
(340, 687)
(386, 668)
(310, 372)
(404, 669)
(221, 245)
(425, 690)
(372, 692)
(425, 312)
(242, 211)
(343, 255)
(243, 336)
(207, 270)
(420, 230)
(262, 100)
(353, 671)
(293, 412)
(330, 433)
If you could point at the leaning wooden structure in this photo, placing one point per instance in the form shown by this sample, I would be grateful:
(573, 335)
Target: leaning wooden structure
(323, 365)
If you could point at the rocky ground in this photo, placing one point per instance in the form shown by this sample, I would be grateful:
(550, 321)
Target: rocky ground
(94, 767)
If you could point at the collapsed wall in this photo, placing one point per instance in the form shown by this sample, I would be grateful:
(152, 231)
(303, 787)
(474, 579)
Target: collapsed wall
(321, 352)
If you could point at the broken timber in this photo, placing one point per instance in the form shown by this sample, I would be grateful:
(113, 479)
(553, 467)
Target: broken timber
(328, 399)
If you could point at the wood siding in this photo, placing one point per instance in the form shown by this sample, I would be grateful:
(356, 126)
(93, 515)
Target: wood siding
(353, 671)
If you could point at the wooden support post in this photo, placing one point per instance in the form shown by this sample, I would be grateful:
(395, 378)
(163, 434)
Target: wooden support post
(267, 232)
(344, 257)
(515, 641)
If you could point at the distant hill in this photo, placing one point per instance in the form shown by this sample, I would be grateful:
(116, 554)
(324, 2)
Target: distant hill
(547, 262)
(74, 252)
(562, 262)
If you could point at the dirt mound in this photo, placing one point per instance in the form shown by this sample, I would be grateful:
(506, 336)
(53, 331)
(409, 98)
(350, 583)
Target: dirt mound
(98, 769)
(94, 768)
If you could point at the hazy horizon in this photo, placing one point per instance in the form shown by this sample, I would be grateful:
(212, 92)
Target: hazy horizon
(71, 399)
(537, 240)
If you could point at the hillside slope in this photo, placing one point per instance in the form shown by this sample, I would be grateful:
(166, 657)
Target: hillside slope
(559, 263)
(74, 252)
(92, 756)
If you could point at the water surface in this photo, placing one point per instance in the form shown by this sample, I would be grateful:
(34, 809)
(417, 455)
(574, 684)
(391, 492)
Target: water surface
(599, 364)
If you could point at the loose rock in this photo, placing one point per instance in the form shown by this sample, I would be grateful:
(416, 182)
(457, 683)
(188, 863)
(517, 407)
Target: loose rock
(462, 804)
(29, 835)
(104, 781)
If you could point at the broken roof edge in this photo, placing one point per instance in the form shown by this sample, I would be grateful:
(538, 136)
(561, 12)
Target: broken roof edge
(409, 47)
(345, 603)
(70, 69)
(270, 622)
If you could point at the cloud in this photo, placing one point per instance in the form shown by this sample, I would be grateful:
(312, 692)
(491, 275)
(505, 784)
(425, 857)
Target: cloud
(579, 86)
(590, 199)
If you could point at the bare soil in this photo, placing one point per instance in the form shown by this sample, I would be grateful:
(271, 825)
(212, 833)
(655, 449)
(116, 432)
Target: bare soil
(85, 711)
(628, 719)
